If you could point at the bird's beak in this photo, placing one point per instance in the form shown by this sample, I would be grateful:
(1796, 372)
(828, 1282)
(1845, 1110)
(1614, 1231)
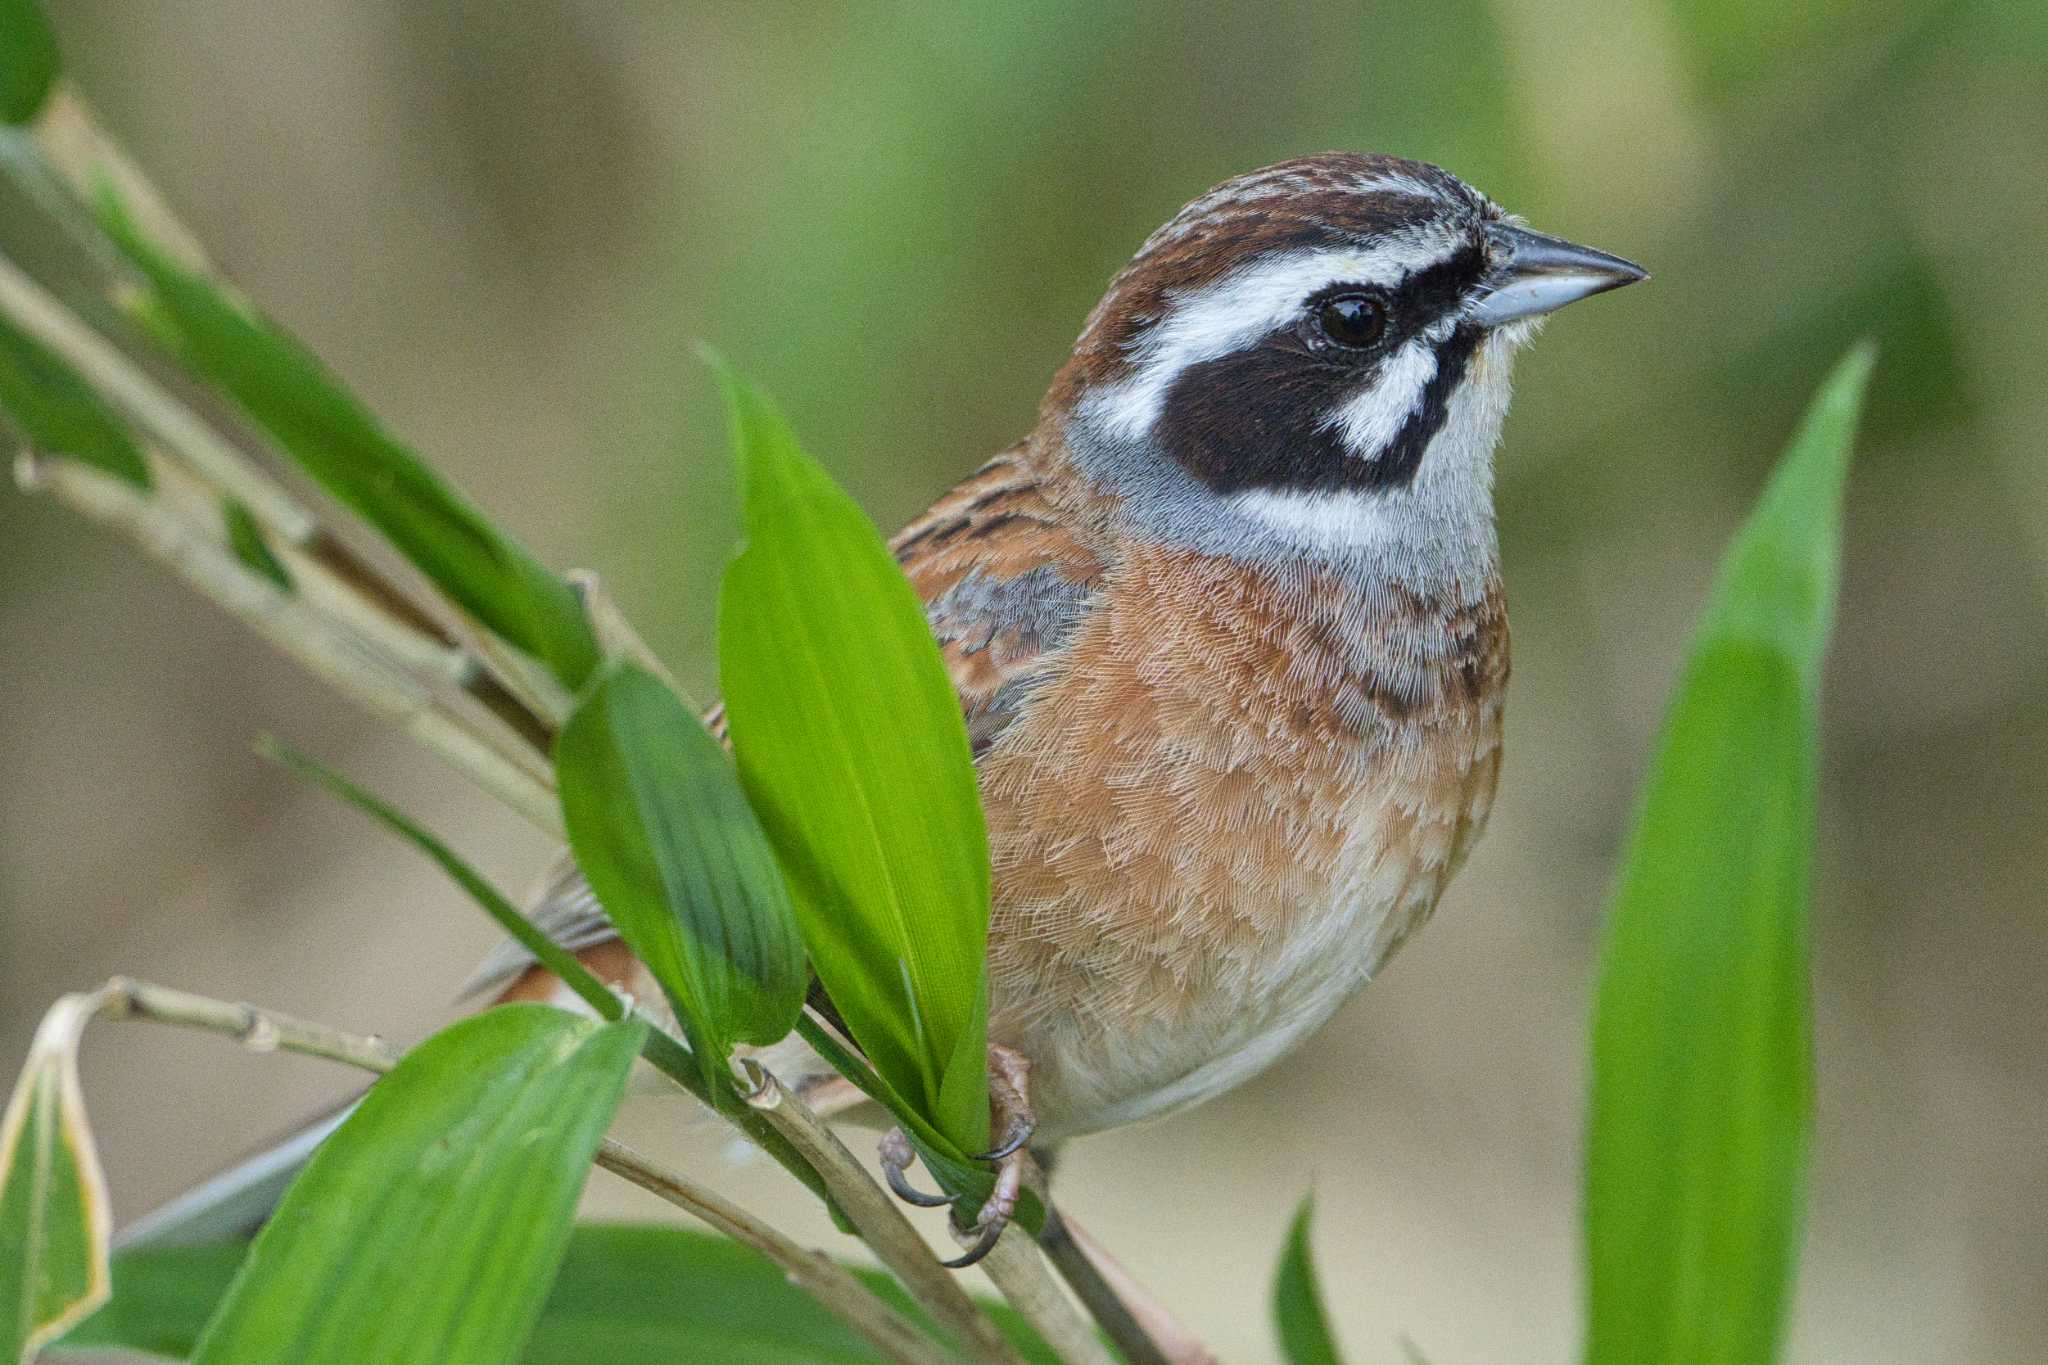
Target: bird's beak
(1534, 274)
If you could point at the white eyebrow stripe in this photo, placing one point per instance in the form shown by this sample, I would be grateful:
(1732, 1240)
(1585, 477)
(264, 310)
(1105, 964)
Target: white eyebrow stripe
(1370, 421)
(1264, 295)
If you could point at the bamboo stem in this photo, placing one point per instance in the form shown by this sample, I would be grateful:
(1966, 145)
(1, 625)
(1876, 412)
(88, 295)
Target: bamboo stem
(1142, 1327)
(1020, 1272)
(264, 1030)
(259, 1029)
(823, 1278)
(878, 1219)
(510, 771)
(149, 405)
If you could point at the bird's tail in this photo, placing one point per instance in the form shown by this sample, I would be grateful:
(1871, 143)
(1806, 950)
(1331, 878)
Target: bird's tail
(240, 1199)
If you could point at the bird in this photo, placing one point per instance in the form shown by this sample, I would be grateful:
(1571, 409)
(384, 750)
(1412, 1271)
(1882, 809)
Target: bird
(1229, 635)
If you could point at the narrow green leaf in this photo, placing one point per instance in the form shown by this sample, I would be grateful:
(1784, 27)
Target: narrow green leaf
(662, 1050)
(661, 828)
(58, 413)
(287, 392)
(54, 1224)
(850, 741)
(493, 902)
(626, 1294)
(430, 1226)
(28, 60)
(245, 538)
(1298, 1315)
(1702, 1042)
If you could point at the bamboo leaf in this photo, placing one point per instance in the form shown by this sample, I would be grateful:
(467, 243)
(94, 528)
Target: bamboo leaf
(661, 828)
(1702, 1043)
(55, 1227)
(431, 1224)
(1298, 1314)
(28, 60)
(57, 413)
(851, 745)
(626, 1294)
(245, 538)
(285, 389)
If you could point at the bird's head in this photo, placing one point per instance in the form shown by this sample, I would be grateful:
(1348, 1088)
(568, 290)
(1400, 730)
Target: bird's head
(1313, 358)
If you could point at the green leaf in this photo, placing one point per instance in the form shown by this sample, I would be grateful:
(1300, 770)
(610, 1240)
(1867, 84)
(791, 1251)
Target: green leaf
(661, 828)
(28, 60)
(54, 1224)
(626, 1294)
(1298, 1316)
(56, 411)
(284, 388)
(1702, 1042)
(245, 538)
(162, 1299)
(431, 1224)
(850, 741)
(662, 1050)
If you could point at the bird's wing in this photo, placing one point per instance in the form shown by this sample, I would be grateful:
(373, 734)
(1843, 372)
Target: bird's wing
(1004, 582)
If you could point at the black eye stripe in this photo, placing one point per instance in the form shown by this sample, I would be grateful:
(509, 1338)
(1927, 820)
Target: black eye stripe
(1429, 293)
(1251, 421)
(1421, 299)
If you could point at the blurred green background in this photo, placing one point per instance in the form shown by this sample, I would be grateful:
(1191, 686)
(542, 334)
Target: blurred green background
(507, 224)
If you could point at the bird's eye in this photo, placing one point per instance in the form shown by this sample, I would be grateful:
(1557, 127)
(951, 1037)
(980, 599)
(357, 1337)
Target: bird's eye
(1354, 321)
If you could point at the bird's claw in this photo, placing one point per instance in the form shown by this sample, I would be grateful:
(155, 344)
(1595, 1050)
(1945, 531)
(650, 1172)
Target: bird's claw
(1009, 1098)
(897, 1154)
(995, 1214)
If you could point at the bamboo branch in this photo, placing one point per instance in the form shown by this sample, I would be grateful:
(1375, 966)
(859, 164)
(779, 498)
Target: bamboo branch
(150, 406)
(823, 1278)
(510, 771)
(264, 1030)
(259, 1029)
(1143, 1328)
(1020, 1272)
(878, 1218)
(353, 586)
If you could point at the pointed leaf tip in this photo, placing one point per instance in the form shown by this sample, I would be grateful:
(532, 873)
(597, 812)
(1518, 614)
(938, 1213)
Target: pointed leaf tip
(1702, 1095)
(1299, 1317)
(853, 750)
(56, 1229)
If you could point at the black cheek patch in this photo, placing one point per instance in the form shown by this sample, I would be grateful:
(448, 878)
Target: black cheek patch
(1248, 420)
(1254, 420)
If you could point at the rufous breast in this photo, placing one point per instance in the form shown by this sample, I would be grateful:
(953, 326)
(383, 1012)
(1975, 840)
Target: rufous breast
(1230, 798)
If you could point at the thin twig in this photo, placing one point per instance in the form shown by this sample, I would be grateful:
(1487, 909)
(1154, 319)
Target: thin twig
(878, 1219)
(1117, 1318)
(259, 1029)
(264, 1030)
(1020, 1272)
(188, 440)
(1167, 1337)
(510, 771)
(149, 405)
(823, 1278)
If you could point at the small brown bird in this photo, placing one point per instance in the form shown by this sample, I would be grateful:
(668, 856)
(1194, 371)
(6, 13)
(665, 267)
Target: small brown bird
(1228, 629)
(1229, 633)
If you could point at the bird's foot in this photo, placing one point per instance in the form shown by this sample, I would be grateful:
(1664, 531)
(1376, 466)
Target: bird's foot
(1010, 1109)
